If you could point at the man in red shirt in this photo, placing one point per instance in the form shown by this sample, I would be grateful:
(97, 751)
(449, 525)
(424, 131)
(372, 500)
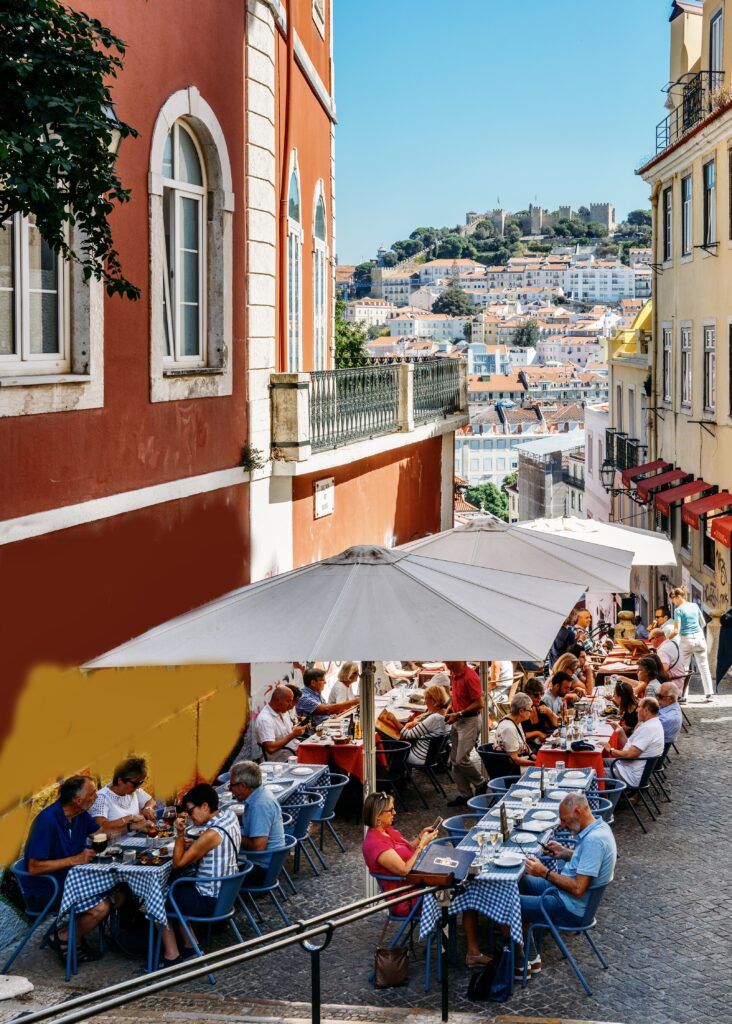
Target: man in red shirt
(464, 716)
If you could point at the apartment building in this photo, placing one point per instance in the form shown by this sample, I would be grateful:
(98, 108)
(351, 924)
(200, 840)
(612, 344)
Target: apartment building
(428, 325)
(607, 281)
(569, 348)
(486, 450)
(369, 312)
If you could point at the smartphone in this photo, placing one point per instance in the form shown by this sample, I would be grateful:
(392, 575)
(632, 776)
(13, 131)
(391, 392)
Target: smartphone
(436, 824)
(544, 847)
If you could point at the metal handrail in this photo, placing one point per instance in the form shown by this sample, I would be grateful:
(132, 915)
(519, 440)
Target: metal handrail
(92, 1003)
(698, 97)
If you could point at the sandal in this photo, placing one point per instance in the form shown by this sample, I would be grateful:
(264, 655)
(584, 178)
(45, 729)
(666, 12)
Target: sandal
(58, 945)
(478, 960)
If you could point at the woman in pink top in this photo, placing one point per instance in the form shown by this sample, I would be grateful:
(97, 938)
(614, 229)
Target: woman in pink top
(387, 852)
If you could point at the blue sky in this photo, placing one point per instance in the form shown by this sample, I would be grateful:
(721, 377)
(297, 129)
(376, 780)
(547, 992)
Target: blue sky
(443, 108)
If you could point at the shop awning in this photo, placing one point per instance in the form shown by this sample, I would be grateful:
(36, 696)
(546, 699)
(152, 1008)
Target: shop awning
(673, 476)
(712, 503)
(674, 495)
(722, 530)
(628, 475)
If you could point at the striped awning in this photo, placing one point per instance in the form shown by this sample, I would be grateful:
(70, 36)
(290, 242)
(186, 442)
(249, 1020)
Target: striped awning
(665, 499)
(628, 475)
(722, 530)
(651, 483)
(691, 513)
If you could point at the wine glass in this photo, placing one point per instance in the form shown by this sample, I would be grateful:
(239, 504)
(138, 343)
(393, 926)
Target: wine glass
(169, 815)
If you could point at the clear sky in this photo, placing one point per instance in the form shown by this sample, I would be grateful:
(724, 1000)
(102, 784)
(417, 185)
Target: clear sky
(443, 108)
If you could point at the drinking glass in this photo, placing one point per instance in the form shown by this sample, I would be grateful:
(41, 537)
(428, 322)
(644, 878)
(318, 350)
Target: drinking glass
(493, 836)
(551, 776)
(535, 796)
(169, 815)
(561, 765)
(526, 804)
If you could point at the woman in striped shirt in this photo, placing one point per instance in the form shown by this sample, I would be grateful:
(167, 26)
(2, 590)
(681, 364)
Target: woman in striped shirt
(427, 726)
(214, 853)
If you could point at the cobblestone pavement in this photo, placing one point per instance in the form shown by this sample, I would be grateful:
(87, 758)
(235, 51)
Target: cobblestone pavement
(665, 925)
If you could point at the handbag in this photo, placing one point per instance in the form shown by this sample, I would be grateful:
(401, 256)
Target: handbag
(391, 967)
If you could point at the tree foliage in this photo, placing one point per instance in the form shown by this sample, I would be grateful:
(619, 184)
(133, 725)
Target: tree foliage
(452, 302)
(640, 218)
(56, 66)
(527, 335)
(350, 339)
(490, 498)
(511, 480)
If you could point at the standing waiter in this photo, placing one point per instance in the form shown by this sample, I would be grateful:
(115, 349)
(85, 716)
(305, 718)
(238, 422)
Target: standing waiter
(466, 705)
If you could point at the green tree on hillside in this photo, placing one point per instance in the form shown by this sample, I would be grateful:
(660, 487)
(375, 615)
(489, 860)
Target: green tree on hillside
(350, 339)
(452, 302)
(489, 498)
(640, 218)
(527, 335)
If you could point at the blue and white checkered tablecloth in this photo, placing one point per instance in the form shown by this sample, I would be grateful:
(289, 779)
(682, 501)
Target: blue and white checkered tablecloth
(86, 885)
(497, 900)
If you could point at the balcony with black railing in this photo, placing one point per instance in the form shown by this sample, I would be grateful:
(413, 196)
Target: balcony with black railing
(696, 96)
(624, 452)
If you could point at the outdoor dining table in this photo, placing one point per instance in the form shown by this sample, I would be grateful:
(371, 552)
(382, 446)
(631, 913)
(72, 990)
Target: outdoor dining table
(548, 756)
(346, 756)
(494, 893)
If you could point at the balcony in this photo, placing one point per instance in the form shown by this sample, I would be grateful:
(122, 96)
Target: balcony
(696, 95)
(325, 410)
(622, 451)
(631, 346)
(573, 481)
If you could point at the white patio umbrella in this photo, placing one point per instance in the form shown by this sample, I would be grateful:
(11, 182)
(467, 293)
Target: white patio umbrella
(493, 544)
(647, 547)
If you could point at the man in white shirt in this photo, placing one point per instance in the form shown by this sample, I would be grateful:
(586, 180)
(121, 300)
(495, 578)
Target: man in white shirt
(646, 740)
(276, 735)
(668, 650)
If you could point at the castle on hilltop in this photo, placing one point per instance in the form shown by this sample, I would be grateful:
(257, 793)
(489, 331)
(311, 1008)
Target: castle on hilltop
(539, 219)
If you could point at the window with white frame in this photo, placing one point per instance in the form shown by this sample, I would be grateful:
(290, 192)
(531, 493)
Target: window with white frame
(686, 366)
(710, 203)
(320, 284)
(710, 368)
(716, 37)
(34, 300)
(666, 364)
(667, 224)
(184, 273)
(686, 215)
(294, 271)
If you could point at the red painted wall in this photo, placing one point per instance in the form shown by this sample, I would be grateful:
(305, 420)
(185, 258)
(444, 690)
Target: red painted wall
(389, 499)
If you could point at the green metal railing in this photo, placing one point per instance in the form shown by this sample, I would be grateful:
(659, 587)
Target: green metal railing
(436, 389)
(353, 403)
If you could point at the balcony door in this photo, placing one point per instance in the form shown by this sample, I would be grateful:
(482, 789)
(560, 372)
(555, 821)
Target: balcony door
(715, 44)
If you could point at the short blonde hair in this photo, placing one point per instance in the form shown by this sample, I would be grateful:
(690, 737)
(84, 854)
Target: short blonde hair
(438, 695)
(565, 663)
(346, 670)
(374, 805)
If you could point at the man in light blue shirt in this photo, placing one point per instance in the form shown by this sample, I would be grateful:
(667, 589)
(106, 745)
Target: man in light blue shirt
(262, 830)
(566, 891)
(670, 713)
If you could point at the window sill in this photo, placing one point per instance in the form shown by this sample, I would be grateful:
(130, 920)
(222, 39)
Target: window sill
(46, 378)
(194, 371)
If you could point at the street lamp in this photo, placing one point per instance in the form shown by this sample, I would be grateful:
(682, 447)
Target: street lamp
(115, 134)
(607, 476)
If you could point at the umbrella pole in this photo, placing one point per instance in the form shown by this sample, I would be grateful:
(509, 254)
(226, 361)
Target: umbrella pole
(368, 732)
(485, 717)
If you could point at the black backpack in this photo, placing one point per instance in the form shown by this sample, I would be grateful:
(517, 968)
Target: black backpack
(495, 981)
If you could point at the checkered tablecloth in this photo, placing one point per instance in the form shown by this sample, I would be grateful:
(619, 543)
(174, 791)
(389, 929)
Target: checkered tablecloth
(498, 900)
(87, 884)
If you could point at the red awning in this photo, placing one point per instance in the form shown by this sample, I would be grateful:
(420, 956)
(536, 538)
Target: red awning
(712, 503)
(649, 467)
(660, 480)
(674, 495)
(722, 530)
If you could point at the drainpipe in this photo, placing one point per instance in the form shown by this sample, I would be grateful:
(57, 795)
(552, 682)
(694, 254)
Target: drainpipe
(654, 396)
(284, 186)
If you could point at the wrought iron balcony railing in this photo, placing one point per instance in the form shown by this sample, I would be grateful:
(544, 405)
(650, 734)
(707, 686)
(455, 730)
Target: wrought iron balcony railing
(436, 390)
(698, 95)
(351, 404)
(622, 451)
(573, 481)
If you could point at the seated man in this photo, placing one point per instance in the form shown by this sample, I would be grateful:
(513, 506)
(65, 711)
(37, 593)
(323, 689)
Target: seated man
(555, 696)
(669, 653)
(262, 827)
(591, 864)
(276, 734)
(646, 740)
(310, 704)
(670, 713)
(215, 853)
(57, 843)
(123, 804)
(663, 621)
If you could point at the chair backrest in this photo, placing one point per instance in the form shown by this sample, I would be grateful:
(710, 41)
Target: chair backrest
(596, 892)
(435, 750)
(503, 783)
(482, 802)
(612, 788)
(685, 686)
(304, 813)
(286, 821)
(273, 860)
(396, 753)
(458, 826)
(48, 881)
(496, 763)
(603, 809)
(331, 796)
(224, 777)
(229, 890)
(648, 769)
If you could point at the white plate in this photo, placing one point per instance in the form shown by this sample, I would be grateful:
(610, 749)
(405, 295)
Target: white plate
(574, 775)
(556, 794)
(274, 788)
(574, 783)
(519, 794)
(535, 826)
(544, 816)
(509, 860)
(524, 837)
(302, 770)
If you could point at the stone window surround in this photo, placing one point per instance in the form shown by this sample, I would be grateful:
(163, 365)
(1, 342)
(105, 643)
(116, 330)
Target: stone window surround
(83, 386)
(168, 383)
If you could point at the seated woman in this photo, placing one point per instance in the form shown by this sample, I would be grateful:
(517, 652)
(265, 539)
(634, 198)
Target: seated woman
(215, 852)
(651, 676)
(626, 702)
(584, 671)
(123, 804)
(541, 721)
(387, 852)
(569, 663)
(427, 726)
(509, 735)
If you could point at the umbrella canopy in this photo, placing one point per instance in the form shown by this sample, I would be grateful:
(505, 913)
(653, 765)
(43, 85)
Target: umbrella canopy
(365, 603)
(647, 547)
(493, 544)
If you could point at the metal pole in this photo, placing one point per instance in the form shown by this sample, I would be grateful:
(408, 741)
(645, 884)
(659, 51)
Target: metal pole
(368, 732)
(444, 962)
(315, 986)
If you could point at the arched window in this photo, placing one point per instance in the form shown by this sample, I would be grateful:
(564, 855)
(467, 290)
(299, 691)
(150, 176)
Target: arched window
(294, 271)
(320, 282)
(184, 221)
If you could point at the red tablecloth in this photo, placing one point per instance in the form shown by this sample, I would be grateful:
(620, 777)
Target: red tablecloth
(577, 758)
(346, 756)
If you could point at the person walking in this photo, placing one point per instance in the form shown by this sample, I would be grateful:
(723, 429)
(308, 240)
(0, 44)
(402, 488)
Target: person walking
(466, 705)
(689, 627)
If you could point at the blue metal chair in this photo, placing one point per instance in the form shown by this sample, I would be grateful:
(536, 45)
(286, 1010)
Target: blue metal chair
(270, 884)
(496, 763)
(223, 911)
(458, 826)
(223, 779)
(612, 789)
(303, 812)
(407, 923)
(481, 804)
(326, 814)
(604, 809)
(502, 784)
(35, 916)
(588, 922)
(391, 768)
(434, 759)
(287, 825)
